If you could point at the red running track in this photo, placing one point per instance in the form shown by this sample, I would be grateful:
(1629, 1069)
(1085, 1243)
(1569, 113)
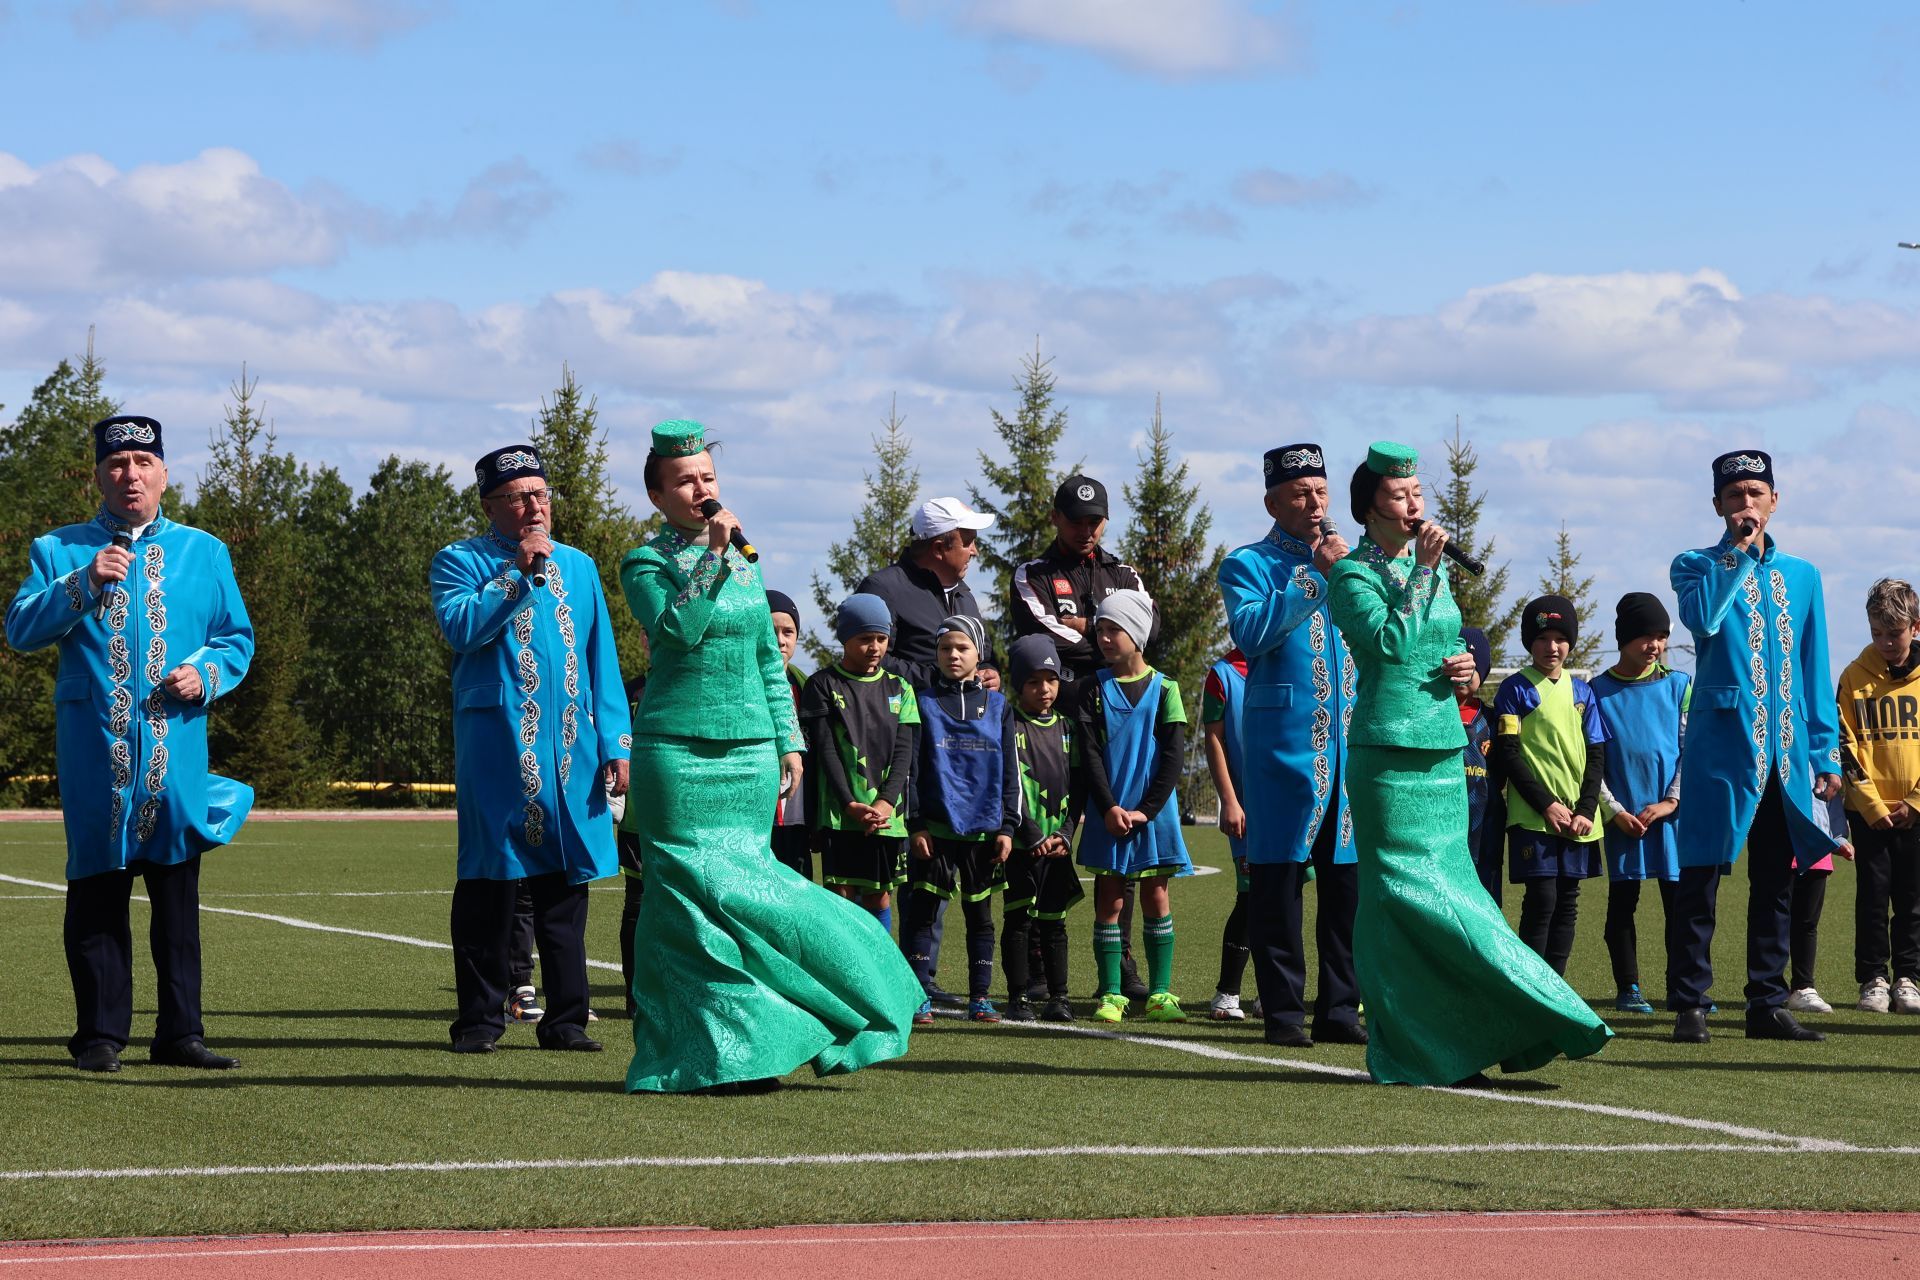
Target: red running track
(1733, 1245)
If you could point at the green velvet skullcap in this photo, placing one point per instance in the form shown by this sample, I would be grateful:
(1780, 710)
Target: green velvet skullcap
(679, 438)
(1385, 458)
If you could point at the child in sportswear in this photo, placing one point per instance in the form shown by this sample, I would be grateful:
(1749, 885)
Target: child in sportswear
(1880, 736)
(1549, 743)
(1134, 727)
(861, 724)
(1644, 706)
(1486, 803)
(792, 834)
(962, 781)
(1221, 707)
(1042, 882)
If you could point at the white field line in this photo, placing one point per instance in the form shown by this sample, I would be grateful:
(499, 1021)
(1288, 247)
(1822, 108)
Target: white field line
(1747, 1133)
(845, 1158)
(293, 922)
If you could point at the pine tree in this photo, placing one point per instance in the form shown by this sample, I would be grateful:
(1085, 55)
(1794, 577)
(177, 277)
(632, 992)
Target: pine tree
(251, 497)
(1024, 477)
(377, 684)
(1458, 510)
(46, 472)
(587, 512)
(881, 528)
(1562, 579)
(1166, 540)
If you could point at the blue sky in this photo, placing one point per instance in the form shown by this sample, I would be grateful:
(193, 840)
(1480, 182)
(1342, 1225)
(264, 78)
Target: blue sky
(1612, 238)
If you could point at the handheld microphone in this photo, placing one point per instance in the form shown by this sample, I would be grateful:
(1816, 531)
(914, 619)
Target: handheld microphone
(1455, 554)
(1327, 527)
(1747, 528)
(538, 573)
(711, 508)
(107, 590)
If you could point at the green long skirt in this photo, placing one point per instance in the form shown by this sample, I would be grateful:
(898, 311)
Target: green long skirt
(1449, 987)
(742, 969)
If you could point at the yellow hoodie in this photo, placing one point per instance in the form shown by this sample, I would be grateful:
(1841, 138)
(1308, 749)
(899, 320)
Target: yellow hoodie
(1880, 727)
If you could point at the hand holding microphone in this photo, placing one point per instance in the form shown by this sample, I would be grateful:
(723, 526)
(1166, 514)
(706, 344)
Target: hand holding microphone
(535, 547)
(1331, 549)
(115, 560)
(1452, 552)
(720, 520)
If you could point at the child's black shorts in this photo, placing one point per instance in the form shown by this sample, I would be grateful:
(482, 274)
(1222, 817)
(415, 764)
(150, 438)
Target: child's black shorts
(965, 869)
(1046, 888)
(873, 864)
(793, 846)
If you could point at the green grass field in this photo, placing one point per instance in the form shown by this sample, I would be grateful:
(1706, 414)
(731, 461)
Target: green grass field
(345, 1062)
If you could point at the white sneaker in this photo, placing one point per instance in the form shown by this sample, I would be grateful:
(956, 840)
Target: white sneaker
(1906, 996)
(1873, 996)
(1227, 1008)
(1807, 1000)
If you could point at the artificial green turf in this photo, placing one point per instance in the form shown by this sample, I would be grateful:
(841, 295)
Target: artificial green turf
(344, 1048)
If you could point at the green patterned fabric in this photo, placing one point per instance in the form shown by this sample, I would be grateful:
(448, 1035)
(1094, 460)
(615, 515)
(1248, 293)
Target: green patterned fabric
(679, 438)
(1449, 989)
(744, 969)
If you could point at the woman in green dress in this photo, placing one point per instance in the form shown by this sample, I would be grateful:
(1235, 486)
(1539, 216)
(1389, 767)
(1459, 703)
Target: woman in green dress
(1449, 988)
(744, 970)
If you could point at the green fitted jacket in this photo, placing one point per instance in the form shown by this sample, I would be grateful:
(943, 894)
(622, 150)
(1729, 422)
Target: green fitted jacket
(716, 669)
(1400, 623)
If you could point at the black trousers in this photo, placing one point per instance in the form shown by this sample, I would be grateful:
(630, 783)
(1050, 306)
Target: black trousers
(1275, 935)
(793, 846)
(1549, 908)
(99, 943)
(482, 919)
(520, 939)
(1623, 938)
(1888, 864)
(1690, 923)
(1809, 899)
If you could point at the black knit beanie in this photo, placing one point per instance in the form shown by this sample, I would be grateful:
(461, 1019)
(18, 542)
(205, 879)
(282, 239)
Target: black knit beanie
(1640, 613)
(1549, 613)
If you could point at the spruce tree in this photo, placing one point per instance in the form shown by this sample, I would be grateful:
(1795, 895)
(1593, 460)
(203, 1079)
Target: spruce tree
(1167, 541)
(251, 496)
(1019, 484)
(587, 512)
(377, 683)
(1458, 509)
(1562, 578)
(882, 526)
(46, 471)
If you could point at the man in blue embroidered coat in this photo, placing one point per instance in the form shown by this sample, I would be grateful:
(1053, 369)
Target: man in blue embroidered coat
(151, 629)
(1299, 698)
(541, 738)
(1763, 747)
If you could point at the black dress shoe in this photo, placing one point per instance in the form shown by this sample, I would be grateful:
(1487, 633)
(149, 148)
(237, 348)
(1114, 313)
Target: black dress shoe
(946, 999)
(1478, 1080)
(1339, 1033)
(192, 1053)
(1288, 1035)
(1778, 1024)
(1690, 1026)
(576, 1043)
(98, 1057)
(477, 1042)
(1130, 984)
(767, 1084)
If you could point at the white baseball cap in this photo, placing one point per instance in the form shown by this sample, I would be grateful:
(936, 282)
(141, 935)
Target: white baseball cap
(943, 515)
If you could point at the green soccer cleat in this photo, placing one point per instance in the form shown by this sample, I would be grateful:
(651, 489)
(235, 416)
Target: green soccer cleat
(1164, 1006)
(1111, 1008)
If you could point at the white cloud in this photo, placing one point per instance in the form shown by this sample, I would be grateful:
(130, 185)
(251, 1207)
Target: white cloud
(81, 225)
(355, 23)
(1690, 340)
(1190, 39)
